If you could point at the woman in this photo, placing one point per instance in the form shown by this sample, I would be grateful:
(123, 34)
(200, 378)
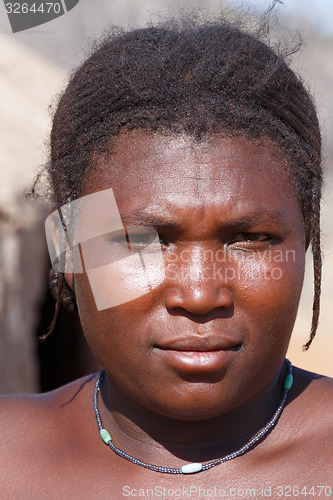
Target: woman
(186, 172)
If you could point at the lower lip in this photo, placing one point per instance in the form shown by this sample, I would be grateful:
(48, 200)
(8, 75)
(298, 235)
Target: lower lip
(197, 361)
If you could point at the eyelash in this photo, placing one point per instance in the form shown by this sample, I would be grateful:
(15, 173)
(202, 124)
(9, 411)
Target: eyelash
(245, 239)
(248, 237)
(163, 240)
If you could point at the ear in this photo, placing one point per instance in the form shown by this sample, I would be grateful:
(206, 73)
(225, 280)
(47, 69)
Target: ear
(69, 278)
(63, 257)
(73, 264)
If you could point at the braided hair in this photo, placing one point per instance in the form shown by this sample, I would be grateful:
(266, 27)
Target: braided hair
(190, 78)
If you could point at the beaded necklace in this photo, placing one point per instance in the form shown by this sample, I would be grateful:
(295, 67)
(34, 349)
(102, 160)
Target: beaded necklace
(191, 467)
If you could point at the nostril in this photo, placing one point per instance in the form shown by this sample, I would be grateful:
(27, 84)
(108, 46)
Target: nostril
(214, 314)
(199, 300)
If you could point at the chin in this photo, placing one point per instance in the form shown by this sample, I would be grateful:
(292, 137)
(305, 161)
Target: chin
(200, 402)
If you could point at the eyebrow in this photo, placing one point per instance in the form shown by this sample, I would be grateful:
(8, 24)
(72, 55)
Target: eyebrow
(262, 217)
(256, 218)
(149, 220)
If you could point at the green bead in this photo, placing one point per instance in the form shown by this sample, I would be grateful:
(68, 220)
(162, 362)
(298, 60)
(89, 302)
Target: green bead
(105, 436)
(288, 381)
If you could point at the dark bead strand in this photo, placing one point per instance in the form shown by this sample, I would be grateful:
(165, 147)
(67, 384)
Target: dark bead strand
(196, 467)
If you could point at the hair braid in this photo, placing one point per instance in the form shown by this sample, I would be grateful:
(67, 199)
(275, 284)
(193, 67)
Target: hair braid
(56, 282)
(317, 266)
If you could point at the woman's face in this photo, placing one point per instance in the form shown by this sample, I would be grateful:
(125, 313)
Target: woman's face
(213, 328)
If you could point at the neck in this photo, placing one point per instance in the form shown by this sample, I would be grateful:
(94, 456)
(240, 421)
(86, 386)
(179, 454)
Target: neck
(157, 438)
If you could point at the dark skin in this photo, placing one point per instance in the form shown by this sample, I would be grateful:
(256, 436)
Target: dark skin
(194, 367)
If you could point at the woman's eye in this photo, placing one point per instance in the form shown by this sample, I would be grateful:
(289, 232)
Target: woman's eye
(250, 238)
(141, 240)
(137, 238)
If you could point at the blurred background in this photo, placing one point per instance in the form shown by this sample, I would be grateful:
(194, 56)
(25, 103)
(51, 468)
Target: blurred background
(34, 67)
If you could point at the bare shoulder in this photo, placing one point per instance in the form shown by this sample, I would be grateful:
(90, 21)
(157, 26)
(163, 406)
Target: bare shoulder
(312, 408)
(313, 386)
(37, 430)
(301, 443)
(22, 412)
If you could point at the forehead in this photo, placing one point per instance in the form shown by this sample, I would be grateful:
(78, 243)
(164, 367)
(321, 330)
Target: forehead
(155, 169)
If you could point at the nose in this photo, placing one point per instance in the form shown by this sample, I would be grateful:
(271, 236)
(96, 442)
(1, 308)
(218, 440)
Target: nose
(198, 283)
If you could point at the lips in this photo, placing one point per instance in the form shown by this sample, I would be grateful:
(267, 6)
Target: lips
(202, 343)
(198, 354)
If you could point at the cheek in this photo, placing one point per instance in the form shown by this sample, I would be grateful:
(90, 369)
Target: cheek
(132, 274)
(270, 287)
(112, 333)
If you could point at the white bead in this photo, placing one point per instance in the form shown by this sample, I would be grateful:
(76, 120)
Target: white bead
(191, 468)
